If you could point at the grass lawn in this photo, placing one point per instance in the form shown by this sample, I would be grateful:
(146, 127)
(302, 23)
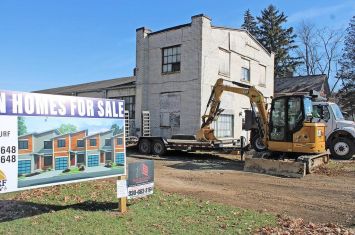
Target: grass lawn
(91, 208)
(72, 171)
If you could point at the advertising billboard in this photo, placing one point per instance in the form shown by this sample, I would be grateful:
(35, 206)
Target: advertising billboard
(47, 140)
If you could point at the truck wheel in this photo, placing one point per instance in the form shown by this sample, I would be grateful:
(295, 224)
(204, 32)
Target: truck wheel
(158, 148)
(144, 146)
(257, 143)
(342, 148)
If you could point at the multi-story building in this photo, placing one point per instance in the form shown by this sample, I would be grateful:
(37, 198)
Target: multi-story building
(36, 151)
(175, 70)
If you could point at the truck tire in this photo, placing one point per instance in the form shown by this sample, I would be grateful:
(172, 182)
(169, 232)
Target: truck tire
(257, 143)
(144, 146)
(342, 148)
(158, 147)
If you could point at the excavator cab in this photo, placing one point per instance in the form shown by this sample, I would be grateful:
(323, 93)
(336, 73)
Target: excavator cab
(291, 128)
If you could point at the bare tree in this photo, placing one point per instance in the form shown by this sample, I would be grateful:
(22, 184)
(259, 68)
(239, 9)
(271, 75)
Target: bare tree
(330, 42)
(319, 49)
(308, 48)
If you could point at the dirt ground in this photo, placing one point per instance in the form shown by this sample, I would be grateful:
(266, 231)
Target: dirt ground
(321, 198)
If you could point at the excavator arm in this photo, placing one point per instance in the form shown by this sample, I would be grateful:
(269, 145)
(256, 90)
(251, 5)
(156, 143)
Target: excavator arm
(206, 133)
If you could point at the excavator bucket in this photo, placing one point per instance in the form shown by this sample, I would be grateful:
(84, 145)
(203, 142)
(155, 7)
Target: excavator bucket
(286, 168)
(205, 134)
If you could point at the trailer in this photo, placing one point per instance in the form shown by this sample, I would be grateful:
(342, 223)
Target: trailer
(158, 145)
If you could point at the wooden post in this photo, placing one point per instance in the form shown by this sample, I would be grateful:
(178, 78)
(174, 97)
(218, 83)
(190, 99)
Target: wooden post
(122, 202)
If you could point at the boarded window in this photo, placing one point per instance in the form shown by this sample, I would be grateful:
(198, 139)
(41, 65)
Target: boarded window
(224, 126)
(224, 62)
(170, 110)
(262, 78)
(245, 76)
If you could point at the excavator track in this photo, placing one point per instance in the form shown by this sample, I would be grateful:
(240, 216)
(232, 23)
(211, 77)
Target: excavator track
(293, 168)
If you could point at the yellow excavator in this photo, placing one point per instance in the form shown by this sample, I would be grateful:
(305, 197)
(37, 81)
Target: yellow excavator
(294, 143)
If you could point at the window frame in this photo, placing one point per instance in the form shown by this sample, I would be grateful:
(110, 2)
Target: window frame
(90, 143)
(263, 82)
(129, 104)
(229, 62)
(81, 141)
(23, 141)
(46, 141)
(119, 141)
(243, 68)
(110, 143)
(217, 130)
(59, 141)
(178, 61)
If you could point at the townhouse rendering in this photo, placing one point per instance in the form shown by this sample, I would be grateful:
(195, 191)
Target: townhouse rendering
(52, 150)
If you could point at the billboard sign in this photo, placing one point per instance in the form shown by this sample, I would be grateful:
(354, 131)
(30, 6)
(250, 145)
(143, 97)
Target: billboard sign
(140, 179)
(48, 140)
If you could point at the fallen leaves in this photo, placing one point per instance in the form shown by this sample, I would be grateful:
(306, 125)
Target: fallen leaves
(288, 226)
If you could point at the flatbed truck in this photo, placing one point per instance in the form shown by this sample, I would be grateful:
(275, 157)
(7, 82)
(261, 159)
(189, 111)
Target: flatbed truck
(158, 145)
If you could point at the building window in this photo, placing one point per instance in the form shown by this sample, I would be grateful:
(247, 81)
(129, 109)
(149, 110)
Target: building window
(48, 144)
(92, 142)
(23, 144)
(129, 104)
(171, 58)
(224, 126)
(61, 143)
(119, 141)
(245, 70)
(80, 143)
(224, 62)
(107, 142)
(262, 79)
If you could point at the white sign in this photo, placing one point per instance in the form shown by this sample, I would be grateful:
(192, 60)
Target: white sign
(50, 140)
(140, 190)
(8, 154)
(122, 188)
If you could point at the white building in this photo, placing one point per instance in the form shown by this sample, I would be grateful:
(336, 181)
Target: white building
(176, 69)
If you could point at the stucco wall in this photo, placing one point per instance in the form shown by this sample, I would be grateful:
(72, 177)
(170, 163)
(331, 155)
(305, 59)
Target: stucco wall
(200, 44)
(152, 84)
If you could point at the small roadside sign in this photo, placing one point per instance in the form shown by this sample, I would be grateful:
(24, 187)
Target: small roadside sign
(122, 188)
(140, 179)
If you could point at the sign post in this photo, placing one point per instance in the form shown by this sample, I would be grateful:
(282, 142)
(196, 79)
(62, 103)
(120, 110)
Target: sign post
(122, 201)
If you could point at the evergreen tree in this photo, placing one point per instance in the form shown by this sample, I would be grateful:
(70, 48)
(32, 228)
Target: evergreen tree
(22, 128)
(346, 73)
(278, 39)
(250, 23)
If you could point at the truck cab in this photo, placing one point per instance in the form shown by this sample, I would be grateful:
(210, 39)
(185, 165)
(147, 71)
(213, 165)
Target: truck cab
(340, 133)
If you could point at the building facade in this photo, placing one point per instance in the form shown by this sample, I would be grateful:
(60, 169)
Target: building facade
(175, 71)
(177, 67)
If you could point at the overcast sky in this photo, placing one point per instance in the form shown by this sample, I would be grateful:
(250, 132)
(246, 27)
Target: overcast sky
(48, 43)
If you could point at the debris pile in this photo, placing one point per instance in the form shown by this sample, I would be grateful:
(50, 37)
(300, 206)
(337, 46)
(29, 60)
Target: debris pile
(290, 226)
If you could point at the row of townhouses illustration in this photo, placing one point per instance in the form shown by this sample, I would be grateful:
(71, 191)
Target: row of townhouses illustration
(51, 149)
